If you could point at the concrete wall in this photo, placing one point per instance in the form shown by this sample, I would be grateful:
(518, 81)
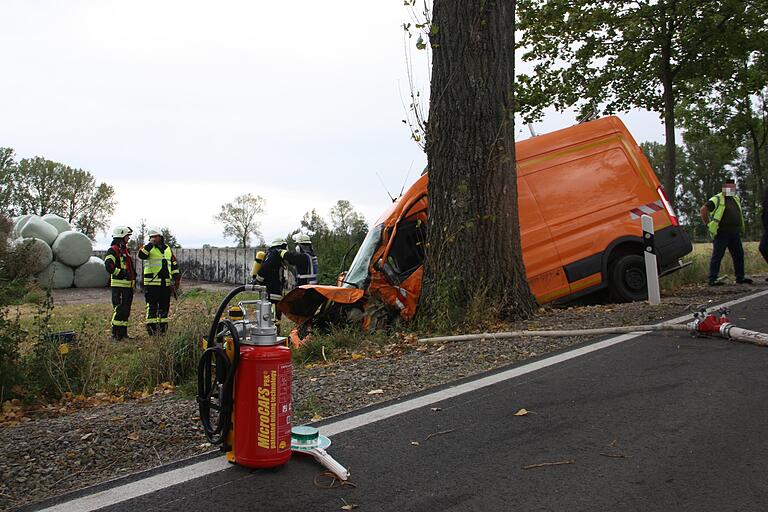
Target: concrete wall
(216, 265)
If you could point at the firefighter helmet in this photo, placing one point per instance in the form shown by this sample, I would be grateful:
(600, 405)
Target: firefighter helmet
(302, 238)
(121, 231)
(153, 232)
(277, 242)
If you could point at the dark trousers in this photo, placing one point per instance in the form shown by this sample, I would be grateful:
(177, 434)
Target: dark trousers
(732, 242)
(764, 245)
(158, 303)
(122, 298)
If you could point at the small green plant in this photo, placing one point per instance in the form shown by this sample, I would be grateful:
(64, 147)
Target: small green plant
(11, 337)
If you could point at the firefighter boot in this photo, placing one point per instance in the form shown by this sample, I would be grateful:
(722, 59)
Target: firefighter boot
(151, 329)
(116, 333)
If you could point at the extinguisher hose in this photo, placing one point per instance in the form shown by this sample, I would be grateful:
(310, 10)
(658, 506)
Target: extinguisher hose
(225, 377)
(225, 374)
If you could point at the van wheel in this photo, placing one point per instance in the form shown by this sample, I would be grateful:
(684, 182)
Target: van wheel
(627, 281)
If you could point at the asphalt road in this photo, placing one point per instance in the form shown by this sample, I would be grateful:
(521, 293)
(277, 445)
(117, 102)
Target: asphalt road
(661, 422)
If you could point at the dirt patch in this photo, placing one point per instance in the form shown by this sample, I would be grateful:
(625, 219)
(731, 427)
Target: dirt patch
(51, 456)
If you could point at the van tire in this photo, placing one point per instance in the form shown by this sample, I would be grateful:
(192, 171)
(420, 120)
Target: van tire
(627, 280)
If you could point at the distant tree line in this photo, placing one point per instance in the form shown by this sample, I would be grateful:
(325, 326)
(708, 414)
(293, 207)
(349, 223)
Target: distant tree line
(40, 186)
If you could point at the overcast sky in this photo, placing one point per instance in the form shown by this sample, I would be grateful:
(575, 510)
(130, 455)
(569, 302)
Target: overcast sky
(182, 105)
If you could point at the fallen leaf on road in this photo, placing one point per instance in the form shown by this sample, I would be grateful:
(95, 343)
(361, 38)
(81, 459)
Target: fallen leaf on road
(522, 412)
(316, 417)
(133, 436)
(441, 433)
(86, 436)
(415, 443)
(615, 455)
(546, 464)
(376, 392)
(613, 443)
(435, 409)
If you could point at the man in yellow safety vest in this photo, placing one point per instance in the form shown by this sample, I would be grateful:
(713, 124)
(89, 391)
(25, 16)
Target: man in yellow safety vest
(161, 280)
(723, 217)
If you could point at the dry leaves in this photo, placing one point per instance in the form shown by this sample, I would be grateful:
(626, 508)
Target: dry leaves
(133, 436)
(356, 356)
(316, 417)
(522, 412)
(376, 392)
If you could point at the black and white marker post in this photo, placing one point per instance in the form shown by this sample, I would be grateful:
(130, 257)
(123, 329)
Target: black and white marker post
(651, 270)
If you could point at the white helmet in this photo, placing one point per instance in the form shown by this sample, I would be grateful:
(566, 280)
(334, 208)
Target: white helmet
(277, 242)
(153, 232)
(121, 231)
(302, 238)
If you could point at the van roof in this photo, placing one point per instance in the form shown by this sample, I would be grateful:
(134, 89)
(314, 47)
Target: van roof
(576, 134)
(534, 146)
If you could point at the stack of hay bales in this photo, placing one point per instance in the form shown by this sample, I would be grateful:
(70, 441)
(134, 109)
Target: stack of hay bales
(64, 254)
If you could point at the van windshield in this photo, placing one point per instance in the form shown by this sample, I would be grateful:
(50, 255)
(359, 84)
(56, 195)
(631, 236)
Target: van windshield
(358, 272)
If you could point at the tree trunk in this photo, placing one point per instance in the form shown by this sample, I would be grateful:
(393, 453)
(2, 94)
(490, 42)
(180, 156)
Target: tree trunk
(670, 157)
(474, 255)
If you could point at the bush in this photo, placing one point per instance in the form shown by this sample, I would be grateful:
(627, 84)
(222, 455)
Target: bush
(11, 336)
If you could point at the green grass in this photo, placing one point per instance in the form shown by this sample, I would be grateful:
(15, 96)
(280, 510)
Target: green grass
(698, 271)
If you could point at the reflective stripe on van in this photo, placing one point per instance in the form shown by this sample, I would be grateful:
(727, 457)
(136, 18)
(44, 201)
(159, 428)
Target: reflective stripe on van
(646, 209)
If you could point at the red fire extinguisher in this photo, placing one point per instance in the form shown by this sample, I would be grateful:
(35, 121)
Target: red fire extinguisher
(245, 374)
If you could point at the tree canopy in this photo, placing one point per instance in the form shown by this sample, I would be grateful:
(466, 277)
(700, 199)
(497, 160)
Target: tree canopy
(608, 57)
(40, 186)
(239, 218)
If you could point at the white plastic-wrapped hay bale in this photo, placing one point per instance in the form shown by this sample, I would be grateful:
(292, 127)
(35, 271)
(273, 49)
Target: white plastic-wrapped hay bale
(60, 223)
(72, 248)
(18, 223)
(43, 255)
(56, 275)
(92, 274)
(36, 227)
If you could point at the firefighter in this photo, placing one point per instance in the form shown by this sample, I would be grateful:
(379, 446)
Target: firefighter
(161, 280)
(724, 218)
(122, 273)
(276, 271)
(306, 269)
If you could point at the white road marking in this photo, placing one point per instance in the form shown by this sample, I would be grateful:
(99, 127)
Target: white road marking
(180, 475)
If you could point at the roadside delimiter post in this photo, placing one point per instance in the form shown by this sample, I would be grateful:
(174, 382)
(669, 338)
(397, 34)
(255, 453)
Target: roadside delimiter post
(651, 270)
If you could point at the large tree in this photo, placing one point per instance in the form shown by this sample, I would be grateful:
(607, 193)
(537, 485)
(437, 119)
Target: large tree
(345, 220)
(239, 218)
(474, 251)
(7, 177)
(41, 186)
(615, 56)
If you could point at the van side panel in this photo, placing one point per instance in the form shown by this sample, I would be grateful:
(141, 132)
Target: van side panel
(542, 261)
(586, 194)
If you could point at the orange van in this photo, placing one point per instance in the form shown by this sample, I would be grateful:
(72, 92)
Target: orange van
(581, 190)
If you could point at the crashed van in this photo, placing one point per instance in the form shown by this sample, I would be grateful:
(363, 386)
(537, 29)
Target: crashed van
(581, 193)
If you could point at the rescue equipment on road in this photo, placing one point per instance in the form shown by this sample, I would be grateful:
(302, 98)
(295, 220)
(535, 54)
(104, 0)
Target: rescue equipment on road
(307, 440)
(244, 384)
(244, 389)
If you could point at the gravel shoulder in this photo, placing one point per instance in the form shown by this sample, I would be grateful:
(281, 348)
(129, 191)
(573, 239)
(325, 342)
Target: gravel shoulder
(50, 456)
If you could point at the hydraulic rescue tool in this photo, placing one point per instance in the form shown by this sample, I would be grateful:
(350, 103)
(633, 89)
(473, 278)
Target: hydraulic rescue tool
(244, 383)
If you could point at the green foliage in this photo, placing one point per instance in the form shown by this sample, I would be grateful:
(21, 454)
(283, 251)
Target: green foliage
(40, 186)
(239, 218)
(11, 337)
(615, 56)
(335, 246)
(704, 164)
(169, 238)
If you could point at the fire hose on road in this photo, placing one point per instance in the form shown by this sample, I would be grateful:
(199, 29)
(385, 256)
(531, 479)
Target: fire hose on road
(704, 324)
